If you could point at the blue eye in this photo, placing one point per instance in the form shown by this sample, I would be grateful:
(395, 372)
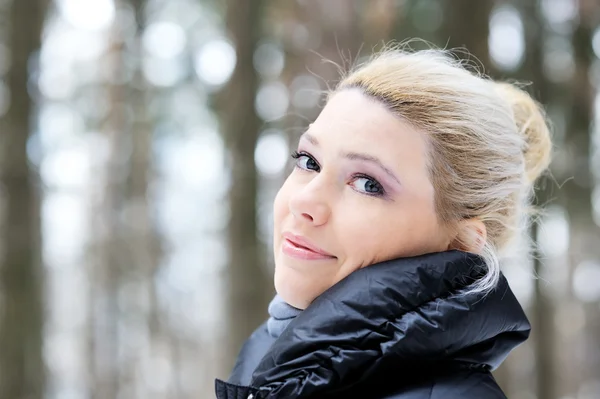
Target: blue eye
(368, 185)
(305, 161)
(363, 184)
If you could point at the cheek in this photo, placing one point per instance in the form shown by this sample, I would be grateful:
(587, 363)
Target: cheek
(415, 231)
(388, 232)
(361, 229)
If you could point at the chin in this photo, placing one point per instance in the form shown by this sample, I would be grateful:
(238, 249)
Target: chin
(297, 289)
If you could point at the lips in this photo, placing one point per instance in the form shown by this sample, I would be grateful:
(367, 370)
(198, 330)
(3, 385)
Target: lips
(301, 248)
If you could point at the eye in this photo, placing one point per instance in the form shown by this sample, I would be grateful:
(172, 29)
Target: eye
(305, 161)
(368, 185)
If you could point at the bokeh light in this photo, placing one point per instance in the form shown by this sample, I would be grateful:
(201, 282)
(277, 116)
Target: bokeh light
(164, 39)
(89, 14)
(272, 101)
(506, 40)
(215, 62)
(271, 153)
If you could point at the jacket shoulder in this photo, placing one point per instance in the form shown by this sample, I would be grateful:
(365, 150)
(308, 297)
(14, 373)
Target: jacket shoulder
(464, 384)
(253, 350)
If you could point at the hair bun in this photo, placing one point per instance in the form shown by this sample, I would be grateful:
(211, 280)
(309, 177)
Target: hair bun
(531, 122)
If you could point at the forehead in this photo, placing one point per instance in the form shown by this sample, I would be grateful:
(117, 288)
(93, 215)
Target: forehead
(352, 121)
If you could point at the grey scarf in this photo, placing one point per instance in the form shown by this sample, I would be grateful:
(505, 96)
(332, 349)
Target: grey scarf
(280, 315)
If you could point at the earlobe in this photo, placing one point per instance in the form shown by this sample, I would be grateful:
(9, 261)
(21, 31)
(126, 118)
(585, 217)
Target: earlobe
(471, 237)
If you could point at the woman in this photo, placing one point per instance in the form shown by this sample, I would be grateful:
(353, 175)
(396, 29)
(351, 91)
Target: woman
(406, 192)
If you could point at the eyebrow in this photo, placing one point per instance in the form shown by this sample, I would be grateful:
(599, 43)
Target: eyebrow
(310, 138)
(356, 156)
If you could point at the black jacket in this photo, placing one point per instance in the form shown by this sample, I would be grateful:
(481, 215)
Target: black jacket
(398, 329)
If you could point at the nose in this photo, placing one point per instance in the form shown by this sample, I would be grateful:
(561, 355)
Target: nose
(310, 205)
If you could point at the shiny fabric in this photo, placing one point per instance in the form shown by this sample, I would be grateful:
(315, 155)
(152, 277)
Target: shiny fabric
(281, 314)
(400, 329)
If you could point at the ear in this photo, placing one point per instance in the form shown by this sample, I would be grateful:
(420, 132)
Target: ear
(471, 236)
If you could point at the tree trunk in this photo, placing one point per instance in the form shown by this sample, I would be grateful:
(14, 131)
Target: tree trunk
(466, 25)
(542, 310)
(21, 273)
(378, 21)
(248, 288)
(584, 233)
(341, 40)
(112, 245)
(147, 245)
(577, 143)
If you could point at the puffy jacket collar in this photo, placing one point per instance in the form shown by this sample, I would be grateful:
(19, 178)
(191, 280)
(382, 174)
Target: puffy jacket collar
(401, 315)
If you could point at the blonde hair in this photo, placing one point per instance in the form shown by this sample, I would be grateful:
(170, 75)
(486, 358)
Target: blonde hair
(489, 141)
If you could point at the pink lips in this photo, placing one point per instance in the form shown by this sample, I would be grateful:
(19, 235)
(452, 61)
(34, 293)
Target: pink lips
(300, 248)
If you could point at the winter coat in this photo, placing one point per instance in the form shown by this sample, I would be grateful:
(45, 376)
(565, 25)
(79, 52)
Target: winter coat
(401, 329)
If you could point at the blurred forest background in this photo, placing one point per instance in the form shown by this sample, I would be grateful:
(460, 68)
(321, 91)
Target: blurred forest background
(142, 143)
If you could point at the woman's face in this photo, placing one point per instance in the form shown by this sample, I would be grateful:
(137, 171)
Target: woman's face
(359, 194)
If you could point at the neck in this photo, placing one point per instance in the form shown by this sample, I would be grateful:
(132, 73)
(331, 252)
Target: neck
(280, 315)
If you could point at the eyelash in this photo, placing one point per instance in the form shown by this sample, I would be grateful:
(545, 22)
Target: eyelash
(382, 193)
